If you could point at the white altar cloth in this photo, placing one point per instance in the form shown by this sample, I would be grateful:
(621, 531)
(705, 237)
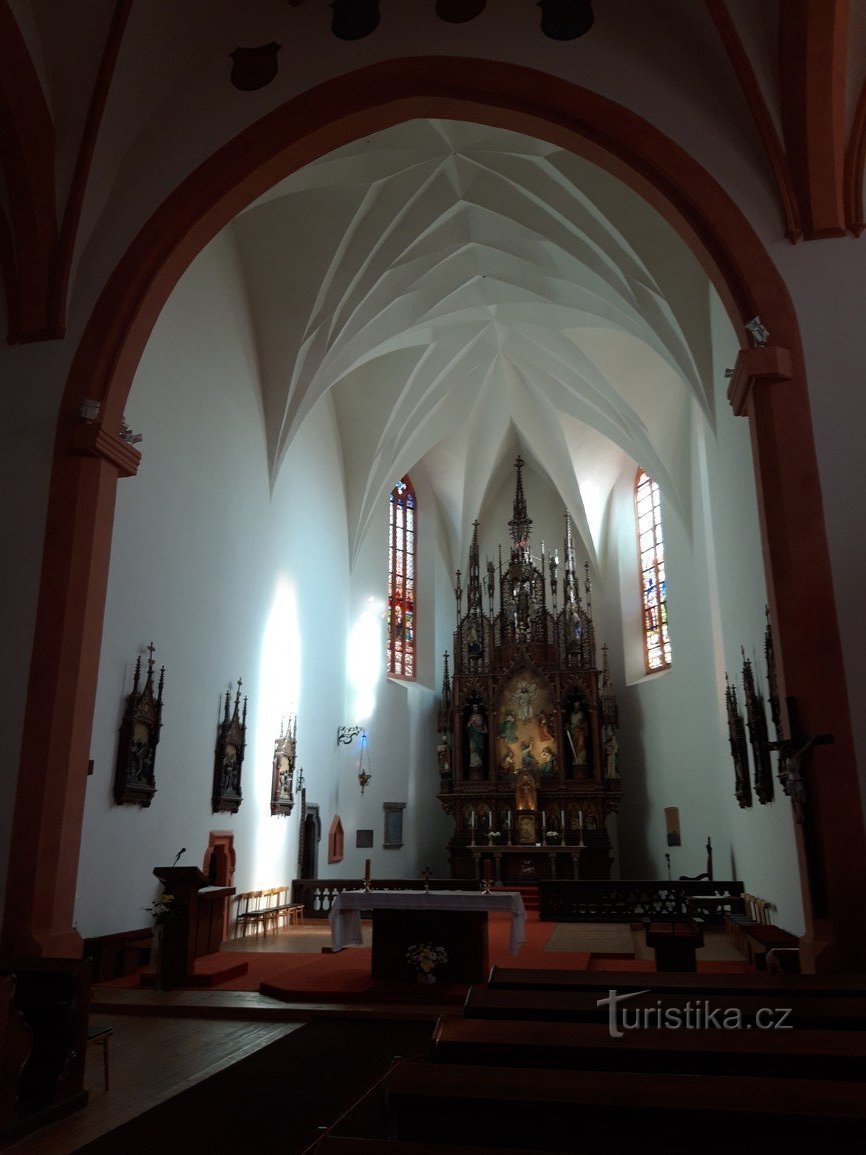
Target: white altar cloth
(345, 916)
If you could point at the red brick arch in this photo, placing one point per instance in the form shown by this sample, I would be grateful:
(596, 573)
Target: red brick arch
(65, 660)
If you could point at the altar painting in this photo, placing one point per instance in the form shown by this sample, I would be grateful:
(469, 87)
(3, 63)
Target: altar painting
(525, 730)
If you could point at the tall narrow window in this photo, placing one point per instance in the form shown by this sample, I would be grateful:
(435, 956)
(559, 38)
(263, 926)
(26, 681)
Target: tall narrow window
(651, 549)
(401, 581)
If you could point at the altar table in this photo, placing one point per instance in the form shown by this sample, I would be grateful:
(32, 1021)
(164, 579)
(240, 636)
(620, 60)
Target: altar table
(456, 920)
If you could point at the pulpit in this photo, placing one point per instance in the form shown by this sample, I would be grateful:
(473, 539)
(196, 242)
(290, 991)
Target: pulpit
(194, 928)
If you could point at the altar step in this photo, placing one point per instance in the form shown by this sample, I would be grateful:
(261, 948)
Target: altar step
(529, 894)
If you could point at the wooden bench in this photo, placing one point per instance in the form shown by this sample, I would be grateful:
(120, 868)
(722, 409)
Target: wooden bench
(820, 1054)
(577, 1111)
(787, 985)
(807, 1011)
(335, 1145)
(761, 938)
(16, 1043)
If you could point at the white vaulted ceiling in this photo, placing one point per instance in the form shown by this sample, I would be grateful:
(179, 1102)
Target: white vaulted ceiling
(461, 293)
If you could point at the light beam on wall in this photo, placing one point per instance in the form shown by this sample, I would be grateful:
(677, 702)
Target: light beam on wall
(279, 693)
(365, 660)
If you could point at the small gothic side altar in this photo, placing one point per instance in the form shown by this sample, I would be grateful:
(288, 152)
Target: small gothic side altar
(528, 750)
(454, 920)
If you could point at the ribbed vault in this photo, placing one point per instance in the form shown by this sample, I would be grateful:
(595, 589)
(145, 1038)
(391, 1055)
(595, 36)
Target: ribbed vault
(460, 292)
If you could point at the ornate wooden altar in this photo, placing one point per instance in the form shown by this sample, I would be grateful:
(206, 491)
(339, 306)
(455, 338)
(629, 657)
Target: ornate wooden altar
(528, 752)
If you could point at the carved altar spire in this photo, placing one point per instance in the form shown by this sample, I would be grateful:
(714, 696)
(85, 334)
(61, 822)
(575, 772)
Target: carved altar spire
(445, 700)
(520, 524)
(473, 592)
(571, 589)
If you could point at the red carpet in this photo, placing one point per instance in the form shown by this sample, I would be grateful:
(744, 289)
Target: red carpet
(298, 977)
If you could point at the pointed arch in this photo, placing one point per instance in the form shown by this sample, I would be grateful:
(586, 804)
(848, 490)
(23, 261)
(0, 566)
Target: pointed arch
(65, 659)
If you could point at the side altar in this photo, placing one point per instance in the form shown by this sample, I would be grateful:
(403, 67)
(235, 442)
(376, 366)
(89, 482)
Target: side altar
(528, 750)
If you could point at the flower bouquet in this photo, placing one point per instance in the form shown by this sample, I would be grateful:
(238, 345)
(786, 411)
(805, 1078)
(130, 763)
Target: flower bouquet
(163, 910)
(424, 958)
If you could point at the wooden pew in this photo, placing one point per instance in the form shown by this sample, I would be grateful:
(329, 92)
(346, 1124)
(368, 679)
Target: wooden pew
(335, 1145)
(576, 1006)
(596, 1111)
(16, 1042)
(786, 985)
(818, 1054)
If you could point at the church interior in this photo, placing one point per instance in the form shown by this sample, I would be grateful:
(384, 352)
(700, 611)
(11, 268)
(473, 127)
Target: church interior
(430, 467)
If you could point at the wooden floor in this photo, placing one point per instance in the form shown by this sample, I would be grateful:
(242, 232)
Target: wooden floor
(151, 1059)
(166, 1042)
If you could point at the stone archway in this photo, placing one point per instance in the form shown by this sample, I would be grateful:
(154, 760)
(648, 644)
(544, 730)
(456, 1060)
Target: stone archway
(769, 387)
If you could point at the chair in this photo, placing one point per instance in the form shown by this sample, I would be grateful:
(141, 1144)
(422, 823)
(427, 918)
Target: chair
(250, 911)
(99, 1037)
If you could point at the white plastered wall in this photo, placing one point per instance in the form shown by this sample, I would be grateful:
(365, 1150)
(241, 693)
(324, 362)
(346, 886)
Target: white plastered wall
(226, 579)
(673, 738)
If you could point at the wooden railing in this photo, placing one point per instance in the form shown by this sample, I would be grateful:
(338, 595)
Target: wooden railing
(317, 894)
(624, 901)
(561, 901)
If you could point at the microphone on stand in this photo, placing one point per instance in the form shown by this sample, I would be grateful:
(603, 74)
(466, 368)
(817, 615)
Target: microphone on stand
(177, 856)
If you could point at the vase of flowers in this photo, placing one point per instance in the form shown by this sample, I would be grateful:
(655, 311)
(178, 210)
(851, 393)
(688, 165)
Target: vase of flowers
(493, 837)
(163, 911)
(552, 837)
(424, 957)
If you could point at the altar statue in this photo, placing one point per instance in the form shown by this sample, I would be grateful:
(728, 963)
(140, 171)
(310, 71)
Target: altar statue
(477, 729)
(526, 793)
(577, 734)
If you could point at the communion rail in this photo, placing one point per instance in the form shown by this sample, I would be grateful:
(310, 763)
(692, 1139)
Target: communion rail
(563, 900)
(633, 901)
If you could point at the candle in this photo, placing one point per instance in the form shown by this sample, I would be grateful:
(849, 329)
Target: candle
(367, 870)
(508, 819)
(562, 821)
(580, 819)
(472, 819)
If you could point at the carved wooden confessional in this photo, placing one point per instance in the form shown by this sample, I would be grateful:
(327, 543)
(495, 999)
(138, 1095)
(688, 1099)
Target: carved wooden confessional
(528, 751)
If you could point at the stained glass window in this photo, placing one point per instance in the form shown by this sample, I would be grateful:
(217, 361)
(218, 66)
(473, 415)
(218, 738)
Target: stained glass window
(651, 550)
(401, 581)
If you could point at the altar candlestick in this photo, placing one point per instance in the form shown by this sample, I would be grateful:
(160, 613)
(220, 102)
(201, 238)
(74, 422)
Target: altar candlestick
(580, 819)
(472, 819)
(562, 822)
(367, 870)
(508, 819)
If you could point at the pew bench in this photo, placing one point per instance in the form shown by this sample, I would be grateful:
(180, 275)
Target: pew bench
(782, 985)
(576, 1111)
(819, 1054)
(576, 1006)
(337, 1145)
(760, 939)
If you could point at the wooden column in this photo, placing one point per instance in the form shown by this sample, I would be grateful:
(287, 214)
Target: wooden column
(49, 804)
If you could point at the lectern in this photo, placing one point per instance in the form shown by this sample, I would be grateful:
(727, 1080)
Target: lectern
(179, 933)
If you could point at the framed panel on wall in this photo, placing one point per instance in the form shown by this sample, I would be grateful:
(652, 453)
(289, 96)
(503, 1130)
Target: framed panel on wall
(393, 834)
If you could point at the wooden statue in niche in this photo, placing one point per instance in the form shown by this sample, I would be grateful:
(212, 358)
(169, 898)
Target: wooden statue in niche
(577, 731)
(476, 741)
(134, 780)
